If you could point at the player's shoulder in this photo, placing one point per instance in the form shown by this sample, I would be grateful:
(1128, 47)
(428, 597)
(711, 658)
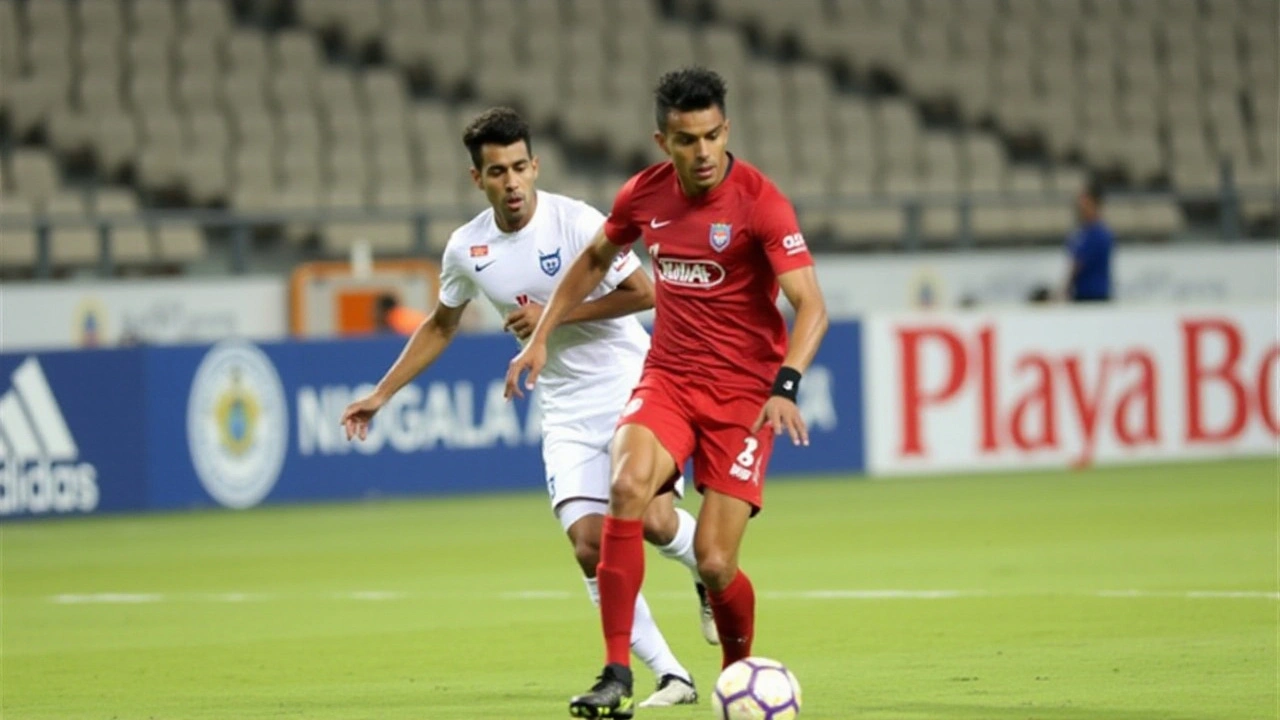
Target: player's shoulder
(565, 206)
(751, 181)
(656, 176)
(475, 231)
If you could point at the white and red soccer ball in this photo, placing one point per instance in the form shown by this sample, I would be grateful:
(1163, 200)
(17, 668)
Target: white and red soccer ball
(756, 689)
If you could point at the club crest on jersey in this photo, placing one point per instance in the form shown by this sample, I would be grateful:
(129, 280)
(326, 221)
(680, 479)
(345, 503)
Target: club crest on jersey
(721, 233)
(550, 262)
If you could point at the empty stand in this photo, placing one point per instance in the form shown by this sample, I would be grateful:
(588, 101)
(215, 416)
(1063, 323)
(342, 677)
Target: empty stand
(197, 98)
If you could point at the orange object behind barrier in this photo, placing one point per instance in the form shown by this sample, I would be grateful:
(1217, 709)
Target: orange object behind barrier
(327, 299)
(405, 320)
(357, 311)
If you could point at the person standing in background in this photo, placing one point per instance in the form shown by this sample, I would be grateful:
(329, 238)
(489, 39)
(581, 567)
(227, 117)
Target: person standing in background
(391, 316)
(1090, 246)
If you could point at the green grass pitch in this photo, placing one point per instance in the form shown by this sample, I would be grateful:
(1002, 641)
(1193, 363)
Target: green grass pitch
(1136, 593)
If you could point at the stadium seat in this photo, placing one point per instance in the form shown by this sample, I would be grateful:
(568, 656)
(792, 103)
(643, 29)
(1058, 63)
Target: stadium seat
(17, 247)
(132, 246)
(1159, 90)
(868, 225)
(34, 174)
(383, 237)
(179, 243)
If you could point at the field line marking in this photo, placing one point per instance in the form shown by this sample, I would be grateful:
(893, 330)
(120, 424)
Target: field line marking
(870, 594)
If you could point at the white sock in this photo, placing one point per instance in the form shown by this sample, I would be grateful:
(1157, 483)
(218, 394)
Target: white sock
(680, 548)
(647, 642)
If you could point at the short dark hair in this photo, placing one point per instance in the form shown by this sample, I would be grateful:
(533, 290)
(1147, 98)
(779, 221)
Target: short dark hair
(686, 89)
(1093, 190)
(495, 126)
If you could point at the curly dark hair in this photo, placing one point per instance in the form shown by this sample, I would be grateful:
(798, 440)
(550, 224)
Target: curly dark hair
(495, 126)
(691, 88)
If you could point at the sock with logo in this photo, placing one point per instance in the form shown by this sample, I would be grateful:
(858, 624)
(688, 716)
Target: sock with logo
(680, 548)
(620, 574)
(735, 612)
(647, 641)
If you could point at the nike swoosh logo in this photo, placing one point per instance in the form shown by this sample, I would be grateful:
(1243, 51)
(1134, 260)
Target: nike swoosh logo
(482, 266)
(655, 224)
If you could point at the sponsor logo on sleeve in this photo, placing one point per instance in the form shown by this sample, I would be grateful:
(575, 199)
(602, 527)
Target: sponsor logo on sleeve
(794, 244)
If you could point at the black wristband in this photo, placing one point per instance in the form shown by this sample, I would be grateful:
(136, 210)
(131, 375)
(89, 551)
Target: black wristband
(787, 384)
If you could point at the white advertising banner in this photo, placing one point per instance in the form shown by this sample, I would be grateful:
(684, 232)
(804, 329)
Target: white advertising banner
(1165, 274)
(73, 314)
(1068, 386)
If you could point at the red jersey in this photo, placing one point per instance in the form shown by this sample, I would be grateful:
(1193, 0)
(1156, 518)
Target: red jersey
(716, 261)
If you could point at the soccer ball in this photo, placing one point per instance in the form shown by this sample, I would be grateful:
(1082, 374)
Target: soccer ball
(756, 689)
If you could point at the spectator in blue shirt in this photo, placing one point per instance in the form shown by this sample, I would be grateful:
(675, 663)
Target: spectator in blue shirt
(1090, 246)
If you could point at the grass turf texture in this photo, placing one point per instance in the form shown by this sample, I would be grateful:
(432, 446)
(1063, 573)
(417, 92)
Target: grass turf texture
(472, 607)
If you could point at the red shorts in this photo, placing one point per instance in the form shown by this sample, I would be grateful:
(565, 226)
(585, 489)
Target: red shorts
(715, 430)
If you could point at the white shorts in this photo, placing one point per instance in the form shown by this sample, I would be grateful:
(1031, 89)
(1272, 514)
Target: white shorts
(578, 476)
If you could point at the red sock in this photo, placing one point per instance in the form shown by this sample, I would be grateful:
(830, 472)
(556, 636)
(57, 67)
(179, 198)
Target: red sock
(620, 574)
(735, 612)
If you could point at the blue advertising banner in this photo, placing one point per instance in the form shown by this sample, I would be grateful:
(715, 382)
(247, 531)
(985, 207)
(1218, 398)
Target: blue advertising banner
(71, 433)
(830, 401)
(245, 424)
(238, 424)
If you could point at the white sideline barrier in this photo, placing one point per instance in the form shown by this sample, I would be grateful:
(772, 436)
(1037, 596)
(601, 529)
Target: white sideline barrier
(1165, 274)
(72, 314)
(1069, 386)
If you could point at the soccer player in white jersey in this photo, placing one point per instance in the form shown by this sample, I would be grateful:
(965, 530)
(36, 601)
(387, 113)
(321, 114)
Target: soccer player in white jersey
(514, 254)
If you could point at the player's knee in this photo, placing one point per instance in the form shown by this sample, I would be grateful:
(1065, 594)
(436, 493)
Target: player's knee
(587, 552)
(629, 494)
(717, 569)
(660, 523)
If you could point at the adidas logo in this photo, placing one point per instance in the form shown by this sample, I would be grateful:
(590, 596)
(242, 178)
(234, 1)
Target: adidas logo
(39, 471)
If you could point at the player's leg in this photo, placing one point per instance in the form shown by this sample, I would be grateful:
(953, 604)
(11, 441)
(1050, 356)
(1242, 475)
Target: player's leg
(642, 465)
(729, 466)
(584, 519)
(722, 523)
(671, 530)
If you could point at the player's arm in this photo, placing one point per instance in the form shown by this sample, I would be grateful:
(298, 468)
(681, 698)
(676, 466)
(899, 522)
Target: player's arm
(426, 344)
(774, 222)
(586, 272)
(800, 286)
(780, 411)
(632, 295)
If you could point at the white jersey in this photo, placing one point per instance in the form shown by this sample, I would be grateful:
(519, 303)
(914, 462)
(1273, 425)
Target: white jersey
(591, 366)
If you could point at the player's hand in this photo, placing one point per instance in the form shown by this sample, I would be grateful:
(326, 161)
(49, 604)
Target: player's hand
(358, 415)
(523, 320)
(531, 358)
(781, 414)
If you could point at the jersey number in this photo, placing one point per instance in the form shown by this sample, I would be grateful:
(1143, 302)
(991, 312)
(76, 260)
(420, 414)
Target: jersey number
(745, 460)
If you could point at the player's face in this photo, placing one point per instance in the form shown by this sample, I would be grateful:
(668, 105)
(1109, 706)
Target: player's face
(1086, 208)
(507, 174)
(696, 142)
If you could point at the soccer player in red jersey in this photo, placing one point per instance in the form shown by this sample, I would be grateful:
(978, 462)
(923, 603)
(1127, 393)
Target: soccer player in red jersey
(720, 380)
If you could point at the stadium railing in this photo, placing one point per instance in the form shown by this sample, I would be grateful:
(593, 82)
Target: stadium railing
(239, 227)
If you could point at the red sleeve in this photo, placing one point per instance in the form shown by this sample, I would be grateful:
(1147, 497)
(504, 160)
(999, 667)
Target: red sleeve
(776, 228)
(620, 227)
